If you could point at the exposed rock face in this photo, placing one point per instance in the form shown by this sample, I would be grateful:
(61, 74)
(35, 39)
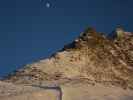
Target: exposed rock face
(83, 91)
(72, 90)
(91, 67)
(90, 57)
(9, 91)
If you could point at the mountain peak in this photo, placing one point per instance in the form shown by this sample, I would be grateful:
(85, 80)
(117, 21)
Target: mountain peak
(92, 56)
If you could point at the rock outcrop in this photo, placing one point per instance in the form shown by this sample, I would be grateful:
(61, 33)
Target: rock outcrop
(91, 67)
(91, 57)
(9, 91)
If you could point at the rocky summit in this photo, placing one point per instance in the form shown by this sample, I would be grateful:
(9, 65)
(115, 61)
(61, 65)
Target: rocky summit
(92, 59)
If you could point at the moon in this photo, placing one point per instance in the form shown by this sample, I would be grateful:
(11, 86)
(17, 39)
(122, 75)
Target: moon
(48, 5)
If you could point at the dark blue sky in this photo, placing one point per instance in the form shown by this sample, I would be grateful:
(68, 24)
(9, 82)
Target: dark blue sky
(30, 31)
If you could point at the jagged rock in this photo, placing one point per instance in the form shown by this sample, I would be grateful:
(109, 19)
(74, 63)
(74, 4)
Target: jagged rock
(91, 56)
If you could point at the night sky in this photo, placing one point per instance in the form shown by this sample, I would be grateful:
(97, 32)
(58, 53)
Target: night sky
(32, 30)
